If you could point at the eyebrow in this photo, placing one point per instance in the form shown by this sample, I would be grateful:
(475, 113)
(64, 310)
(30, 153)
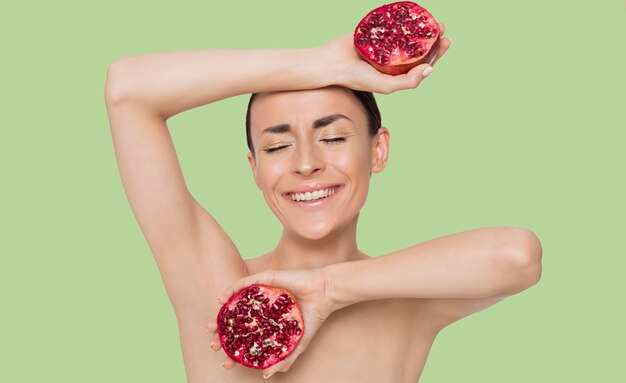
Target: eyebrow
(319, 123)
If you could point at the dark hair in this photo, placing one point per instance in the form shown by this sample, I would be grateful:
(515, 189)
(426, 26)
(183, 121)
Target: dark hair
(365, 98)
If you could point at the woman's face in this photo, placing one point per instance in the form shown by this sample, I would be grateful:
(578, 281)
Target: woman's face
(297, 153)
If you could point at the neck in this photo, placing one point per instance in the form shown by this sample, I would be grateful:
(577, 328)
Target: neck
(295, 252)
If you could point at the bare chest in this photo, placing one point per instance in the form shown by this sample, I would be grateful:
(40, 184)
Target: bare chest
(374, 341)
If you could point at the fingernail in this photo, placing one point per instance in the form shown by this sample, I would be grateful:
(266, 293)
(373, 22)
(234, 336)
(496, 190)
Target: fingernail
(224, 367)
(269, 376)
(427, 71)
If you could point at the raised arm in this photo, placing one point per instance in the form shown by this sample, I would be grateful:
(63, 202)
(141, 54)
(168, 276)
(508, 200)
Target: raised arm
(171, 82)
(195, 257)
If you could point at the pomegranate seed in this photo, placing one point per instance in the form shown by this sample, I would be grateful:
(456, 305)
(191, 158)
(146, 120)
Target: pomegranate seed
(251, 344)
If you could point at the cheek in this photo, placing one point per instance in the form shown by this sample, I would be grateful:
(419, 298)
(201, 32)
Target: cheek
(353, 161)
(268, 172)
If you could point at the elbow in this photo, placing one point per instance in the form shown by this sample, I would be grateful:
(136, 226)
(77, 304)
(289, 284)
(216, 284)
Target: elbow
(527, 257)
(114, 87)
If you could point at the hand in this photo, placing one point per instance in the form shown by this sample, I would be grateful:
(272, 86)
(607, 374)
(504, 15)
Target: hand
(358, 74)
(310, 288)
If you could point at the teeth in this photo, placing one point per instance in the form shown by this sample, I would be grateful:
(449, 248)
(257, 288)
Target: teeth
(312, 196)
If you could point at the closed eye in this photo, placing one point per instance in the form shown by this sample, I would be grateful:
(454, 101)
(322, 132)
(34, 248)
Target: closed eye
(336, 139)
(275, 149)
(327, 140)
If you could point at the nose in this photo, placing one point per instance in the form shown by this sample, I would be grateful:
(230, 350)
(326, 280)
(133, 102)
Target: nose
(307, 160)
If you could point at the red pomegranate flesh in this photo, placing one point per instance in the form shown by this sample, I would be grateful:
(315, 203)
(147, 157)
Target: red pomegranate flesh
(260, 325)
(396, 37)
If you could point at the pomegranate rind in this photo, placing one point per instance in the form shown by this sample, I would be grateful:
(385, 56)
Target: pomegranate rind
(390, 25)
(228, 324)
(404, 68)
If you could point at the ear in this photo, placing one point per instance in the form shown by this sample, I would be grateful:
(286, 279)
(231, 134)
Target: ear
(380, 150)
(252, 163)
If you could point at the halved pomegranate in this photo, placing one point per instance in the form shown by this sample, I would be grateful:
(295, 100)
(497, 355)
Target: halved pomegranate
(260, 325)
(396, 37)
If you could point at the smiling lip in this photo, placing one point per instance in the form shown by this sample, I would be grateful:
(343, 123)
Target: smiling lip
(317, 202)
(311, 188)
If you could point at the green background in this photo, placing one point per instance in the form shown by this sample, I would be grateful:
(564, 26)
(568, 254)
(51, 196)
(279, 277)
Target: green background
(518, 125)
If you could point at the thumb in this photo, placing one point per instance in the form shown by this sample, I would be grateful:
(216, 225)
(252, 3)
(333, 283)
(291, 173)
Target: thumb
(265, 277)
(282, 366)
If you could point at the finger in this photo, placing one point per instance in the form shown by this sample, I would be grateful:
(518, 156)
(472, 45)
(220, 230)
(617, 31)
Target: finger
(408, 80)
(266, 277)
(228, 363)
(419, 73)
(282, 366)
(216, 344)
(442, 29)
(444, 44)
(234, 288)
(285, 364)
(212, 327)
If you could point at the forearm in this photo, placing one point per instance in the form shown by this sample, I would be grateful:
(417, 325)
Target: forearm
(470, 264)
(172, 82)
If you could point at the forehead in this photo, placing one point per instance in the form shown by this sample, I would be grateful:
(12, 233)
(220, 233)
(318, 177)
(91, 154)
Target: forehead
(303, 107)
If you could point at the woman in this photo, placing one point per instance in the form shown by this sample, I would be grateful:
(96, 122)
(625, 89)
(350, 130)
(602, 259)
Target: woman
(368, 319)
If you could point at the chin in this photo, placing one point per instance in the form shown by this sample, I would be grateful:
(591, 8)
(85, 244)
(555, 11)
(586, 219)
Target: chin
(314, 232)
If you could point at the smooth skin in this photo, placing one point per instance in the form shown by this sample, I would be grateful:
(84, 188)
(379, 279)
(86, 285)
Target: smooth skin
(368, 319)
